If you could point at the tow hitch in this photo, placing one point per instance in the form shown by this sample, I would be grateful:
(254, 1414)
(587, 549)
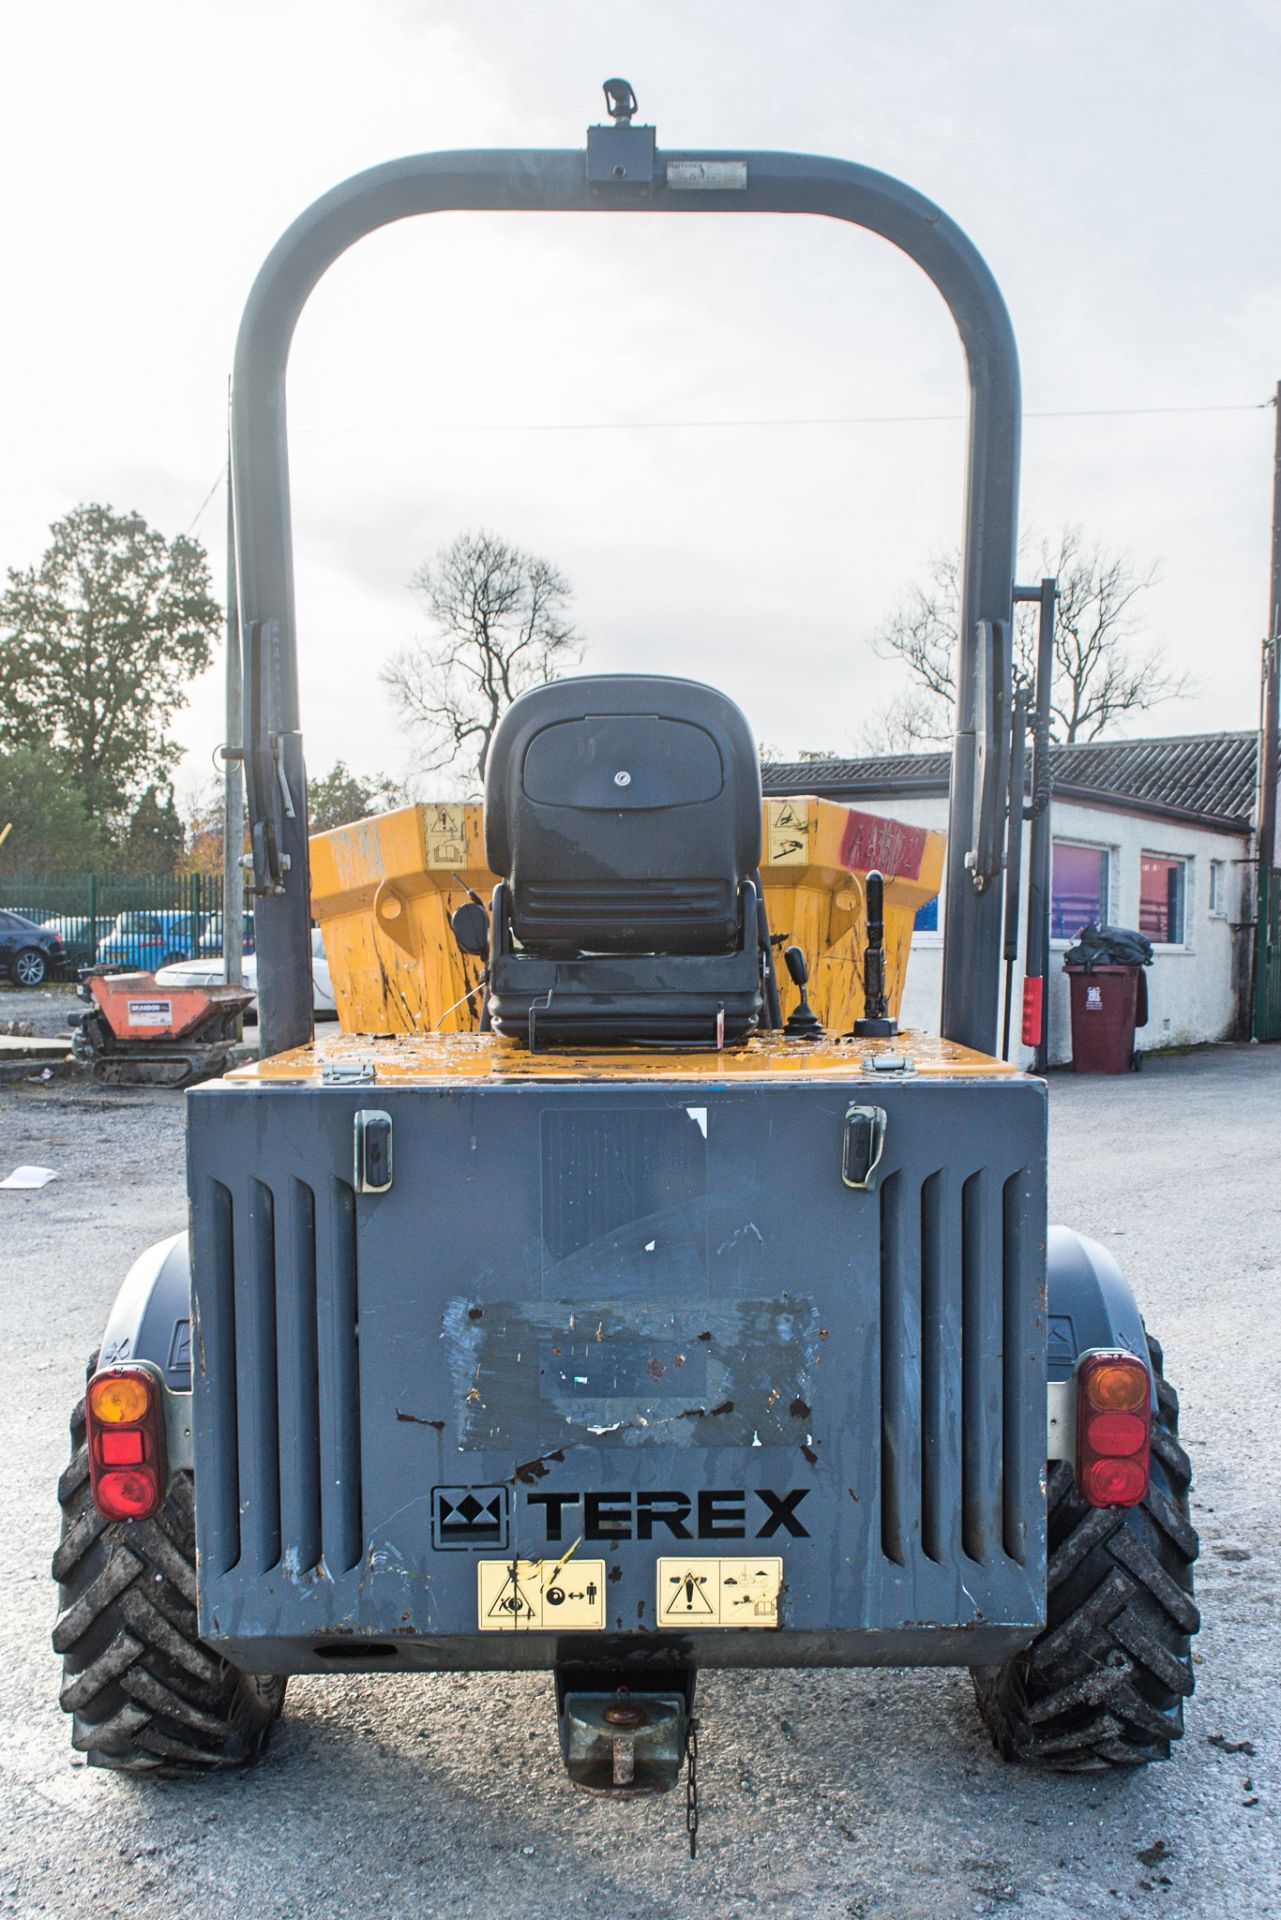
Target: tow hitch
(620, 1741)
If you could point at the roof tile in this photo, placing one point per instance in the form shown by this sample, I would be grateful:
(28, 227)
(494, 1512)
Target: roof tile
(1211, 774)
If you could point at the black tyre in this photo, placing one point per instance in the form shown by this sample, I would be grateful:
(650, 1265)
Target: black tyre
(29, 968)
(144, 1692)
(1104, 1684)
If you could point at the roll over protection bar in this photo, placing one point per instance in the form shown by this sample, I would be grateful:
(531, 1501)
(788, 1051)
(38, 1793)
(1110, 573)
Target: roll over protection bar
(620, 171)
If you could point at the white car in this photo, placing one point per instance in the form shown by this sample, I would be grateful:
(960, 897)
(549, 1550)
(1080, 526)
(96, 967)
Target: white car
(208, 973)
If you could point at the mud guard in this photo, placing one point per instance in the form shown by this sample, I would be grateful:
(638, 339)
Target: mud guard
(1090, 1303)
(150, 1318)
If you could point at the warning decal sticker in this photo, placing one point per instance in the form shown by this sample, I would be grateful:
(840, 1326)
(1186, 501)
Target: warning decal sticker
(528, 1596)
(719, 1593)
(788, 837)
(446, 837)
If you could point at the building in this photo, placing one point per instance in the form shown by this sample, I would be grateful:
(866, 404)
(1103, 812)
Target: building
(1154, 834)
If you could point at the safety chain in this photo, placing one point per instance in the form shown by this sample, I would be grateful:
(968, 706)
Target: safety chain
(691, 1787)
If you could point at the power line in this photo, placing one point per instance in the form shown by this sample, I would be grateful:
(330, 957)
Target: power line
(817, 420)
(199, 514)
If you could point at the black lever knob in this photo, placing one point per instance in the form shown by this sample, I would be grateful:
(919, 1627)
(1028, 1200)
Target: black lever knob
(875, 1022)
(802, 1023)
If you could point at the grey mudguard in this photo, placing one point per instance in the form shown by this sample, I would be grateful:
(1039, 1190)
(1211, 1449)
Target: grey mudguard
(151, 1315)
(1090, 1303)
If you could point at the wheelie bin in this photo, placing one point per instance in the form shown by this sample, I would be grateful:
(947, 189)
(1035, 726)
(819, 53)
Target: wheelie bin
(1109, 993)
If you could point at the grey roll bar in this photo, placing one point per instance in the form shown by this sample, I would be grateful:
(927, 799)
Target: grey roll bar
(621, 171)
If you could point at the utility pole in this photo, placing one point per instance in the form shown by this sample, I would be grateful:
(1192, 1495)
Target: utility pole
(1036, 964)
(1266, 1009)
(1268, 757)
(233, 833)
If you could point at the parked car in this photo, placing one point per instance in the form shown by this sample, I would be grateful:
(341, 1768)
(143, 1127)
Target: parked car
(78, 939)
(211, 935)
(208, 973)
(147, 939)
(29, 954)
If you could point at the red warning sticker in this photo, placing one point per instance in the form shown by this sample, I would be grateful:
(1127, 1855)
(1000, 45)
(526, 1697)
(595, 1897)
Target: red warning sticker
(891, 847)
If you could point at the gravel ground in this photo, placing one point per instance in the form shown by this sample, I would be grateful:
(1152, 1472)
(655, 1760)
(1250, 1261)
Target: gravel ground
(43, 1009)
(825, 1796)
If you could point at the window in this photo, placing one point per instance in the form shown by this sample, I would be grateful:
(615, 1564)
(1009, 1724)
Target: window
(1162, 899)
(927, 917)
(1219, 888)
(1078, 889)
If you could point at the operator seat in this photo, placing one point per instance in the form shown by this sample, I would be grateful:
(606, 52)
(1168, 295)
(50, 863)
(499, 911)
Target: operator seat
(623, 812)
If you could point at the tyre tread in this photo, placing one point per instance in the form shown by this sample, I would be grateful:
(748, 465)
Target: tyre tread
(1104, 1684)
(144, 1692)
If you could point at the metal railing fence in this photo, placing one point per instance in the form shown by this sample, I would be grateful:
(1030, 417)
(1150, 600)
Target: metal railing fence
(137, 920)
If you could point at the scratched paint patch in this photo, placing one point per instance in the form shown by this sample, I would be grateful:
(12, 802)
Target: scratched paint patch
(529, 1596)
(530, 1376)
(699, 1592)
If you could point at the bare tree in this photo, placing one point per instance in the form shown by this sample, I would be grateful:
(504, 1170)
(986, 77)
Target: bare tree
(1102, 668)
(500, 628)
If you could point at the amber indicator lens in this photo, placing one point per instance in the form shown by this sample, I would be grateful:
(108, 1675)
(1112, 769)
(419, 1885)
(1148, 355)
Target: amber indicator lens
(1120, 1386)
(119, 1399)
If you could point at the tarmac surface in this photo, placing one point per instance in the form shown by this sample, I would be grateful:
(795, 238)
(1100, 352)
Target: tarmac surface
(866, 1795)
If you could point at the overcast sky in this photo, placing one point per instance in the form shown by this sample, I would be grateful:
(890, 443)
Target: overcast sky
(1116, 161)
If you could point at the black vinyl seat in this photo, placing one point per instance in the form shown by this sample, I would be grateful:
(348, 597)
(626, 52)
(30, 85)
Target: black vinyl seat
(623, 812)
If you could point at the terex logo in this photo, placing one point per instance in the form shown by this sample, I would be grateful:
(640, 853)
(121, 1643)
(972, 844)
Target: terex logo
(718, 1514)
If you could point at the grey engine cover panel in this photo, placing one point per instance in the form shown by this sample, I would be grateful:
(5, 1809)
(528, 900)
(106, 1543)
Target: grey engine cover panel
(595, 1301)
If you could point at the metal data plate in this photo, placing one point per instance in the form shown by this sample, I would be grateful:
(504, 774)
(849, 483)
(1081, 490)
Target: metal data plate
(698, 1592)
(528, 1596)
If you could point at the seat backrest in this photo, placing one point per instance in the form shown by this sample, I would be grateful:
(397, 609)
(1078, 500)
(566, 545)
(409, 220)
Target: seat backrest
(624, 812)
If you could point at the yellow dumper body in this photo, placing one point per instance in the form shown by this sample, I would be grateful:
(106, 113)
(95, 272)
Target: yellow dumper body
(383, 891)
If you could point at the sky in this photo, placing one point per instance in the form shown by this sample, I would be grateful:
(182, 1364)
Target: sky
(595, 390)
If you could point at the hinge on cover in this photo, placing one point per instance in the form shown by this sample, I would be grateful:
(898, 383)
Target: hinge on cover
(373, 1151)
(348, 1073)
(862, 1145)
(888, 1063)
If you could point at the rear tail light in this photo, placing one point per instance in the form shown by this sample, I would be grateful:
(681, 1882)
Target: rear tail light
(124, 1417)
(1033, 994)
(1113, 1429)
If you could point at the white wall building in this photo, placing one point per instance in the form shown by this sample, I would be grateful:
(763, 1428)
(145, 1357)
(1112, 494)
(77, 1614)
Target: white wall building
(1153, 834)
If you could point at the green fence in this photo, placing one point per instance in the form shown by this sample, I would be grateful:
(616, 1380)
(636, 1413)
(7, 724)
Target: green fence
(135, 920)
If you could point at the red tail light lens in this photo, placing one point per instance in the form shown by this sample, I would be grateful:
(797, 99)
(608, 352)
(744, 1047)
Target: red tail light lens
(1113, 1429)
(124, 1418)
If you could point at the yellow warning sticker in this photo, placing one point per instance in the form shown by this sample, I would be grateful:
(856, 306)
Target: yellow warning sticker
(789, 830)
(446, 833)
(529, 1596)
(719, 1593)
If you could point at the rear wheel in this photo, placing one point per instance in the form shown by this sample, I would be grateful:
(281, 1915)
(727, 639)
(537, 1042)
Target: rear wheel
(1104, 1684)
(144, 1692)
(30, 968)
